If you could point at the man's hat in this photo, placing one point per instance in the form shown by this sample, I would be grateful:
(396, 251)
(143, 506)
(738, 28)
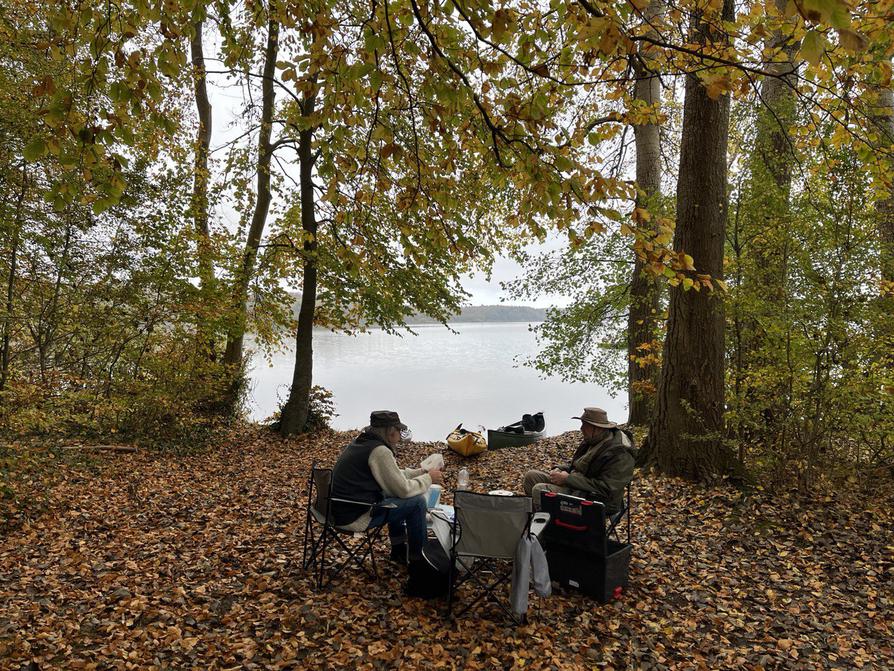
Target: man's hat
(385, 418)
(596, 417)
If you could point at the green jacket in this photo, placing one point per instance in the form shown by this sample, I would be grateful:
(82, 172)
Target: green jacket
(603, 470)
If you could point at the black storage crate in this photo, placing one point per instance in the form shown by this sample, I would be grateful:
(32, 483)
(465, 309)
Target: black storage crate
(574, 522)
(601, 577)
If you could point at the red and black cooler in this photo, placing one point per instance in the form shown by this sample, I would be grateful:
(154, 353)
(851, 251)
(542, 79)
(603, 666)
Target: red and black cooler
(579, 553)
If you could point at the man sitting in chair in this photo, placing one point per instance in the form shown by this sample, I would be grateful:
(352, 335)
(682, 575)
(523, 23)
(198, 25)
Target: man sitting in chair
(599, 470)
(366, 470)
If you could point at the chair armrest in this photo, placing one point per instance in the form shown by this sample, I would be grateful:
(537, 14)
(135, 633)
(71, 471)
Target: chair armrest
(364, 503)
(538, 523)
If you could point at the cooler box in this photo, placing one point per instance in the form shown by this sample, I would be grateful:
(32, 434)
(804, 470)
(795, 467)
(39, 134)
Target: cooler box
(601, 577)
(577, 549)
(574, 522)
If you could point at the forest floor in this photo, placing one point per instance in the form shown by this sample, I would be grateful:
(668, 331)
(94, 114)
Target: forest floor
(139, 561)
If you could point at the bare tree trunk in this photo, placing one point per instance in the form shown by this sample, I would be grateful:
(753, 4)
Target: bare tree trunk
(11, 281)
(296, 409)
(47, 334)
(233, 354)
(643, 314)
(199, 204)
(686, 433)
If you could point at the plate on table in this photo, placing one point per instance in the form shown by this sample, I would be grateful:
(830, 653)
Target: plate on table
(501, 492)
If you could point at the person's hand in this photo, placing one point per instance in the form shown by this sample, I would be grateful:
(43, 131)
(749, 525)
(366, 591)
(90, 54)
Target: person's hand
(436, 476)
(558, 477)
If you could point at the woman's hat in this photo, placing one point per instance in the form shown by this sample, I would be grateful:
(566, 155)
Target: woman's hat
(596, 417)
(386, 418)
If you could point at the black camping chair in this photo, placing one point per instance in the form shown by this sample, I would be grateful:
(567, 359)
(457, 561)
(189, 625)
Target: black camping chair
(484, 536)
(614, 521)
(319, 516)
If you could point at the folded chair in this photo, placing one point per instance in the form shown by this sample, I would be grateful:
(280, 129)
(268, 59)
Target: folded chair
(320, 531)
(485, 533)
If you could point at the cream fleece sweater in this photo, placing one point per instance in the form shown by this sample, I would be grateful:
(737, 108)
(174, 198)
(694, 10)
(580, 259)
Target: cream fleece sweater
(401, 483)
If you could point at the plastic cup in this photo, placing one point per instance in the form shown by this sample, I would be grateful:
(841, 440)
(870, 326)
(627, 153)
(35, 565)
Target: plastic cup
(434, 495)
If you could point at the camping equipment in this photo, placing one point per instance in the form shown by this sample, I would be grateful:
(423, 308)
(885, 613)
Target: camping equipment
(529, 430)
(466, 443)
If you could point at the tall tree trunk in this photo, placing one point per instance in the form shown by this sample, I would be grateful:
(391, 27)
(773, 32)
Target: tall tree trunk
(47, 332)
(885, 214)
(199, 203)
(643, 313)
(11, 281)
(686, 433)
(885, 208)
(296, 409)
(235, 338)
(766, 225)
(771, 167)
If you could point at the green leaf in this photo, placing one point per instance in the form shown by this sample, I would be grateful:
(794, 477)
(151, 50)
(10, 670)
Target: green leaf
(101, 205)
(812, 46)
(564, 164)
(832, 12)
(35, 149)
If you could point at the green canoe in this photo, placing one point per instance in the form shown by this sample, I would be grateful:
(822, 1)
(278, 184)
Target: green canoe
(497, 439)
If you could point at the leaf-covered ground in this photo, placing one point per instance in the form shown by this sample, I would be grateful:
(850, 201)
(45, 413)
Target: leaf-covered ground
(140, 561)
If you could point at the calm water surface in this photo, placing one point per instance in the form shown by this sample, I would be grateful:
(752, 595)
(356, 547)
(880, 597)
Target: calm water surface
(435, 380)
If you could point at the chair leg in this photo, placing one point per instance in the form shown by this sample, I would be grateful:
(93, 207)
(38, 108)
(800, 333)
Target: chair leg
(309, 542)
(356, 553)
(372, 558)
(488, 591)
(324, 540)
(304, 550)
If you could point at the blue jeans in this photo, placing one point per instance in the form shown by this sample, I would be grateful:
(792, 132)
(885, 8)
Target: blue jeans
(406, 522)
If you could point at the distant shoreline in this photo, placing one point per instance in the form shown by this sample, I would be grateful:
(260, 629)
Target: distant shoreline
(472, 314)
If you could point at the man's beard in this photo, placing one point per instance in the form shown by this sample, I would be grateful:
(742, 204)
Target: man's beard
(595, 438)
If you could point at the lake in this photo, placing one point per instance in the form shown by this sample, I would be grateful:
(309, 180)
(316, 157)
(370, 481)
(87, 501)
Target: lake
(435, 380)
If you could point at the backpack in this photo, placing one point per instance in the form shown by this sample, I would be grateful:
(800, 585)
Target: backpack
(429, 577)
(533, 422)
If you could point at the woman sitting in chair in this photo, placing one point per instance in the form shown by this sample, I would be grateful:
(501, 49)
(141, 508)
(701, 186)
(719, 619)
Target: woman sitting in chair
(367, 471)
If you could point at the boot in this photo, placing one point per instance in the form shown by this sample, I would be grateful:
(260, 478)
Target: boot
(399, 554)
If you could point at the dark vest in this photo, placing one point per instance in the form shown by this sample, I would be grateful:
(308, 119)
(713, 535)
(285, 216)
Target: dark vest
(352, 479)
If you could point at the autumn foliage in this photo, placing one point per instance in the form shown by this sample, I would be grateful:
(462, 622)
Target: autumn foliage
(140, 561)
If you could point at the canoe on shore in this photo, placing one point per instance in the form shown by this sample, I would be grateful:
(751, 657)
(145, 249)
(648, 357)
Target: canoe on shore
(497, 439)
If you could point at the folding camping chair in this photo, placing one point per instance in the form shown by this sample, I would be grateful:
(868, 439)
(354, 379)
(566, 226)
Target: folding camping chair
(319, 514)
(485, 533)
(613, 521)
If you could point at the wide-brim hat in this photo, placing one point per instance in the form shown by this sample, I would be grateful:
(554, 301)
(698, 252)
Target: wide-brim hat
(596, 417)
(385, 418)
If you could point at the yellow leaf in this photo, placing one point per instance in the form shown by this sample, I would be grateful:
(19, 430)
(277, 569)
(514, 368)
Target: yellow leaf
(885, 71)
(641, 214)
